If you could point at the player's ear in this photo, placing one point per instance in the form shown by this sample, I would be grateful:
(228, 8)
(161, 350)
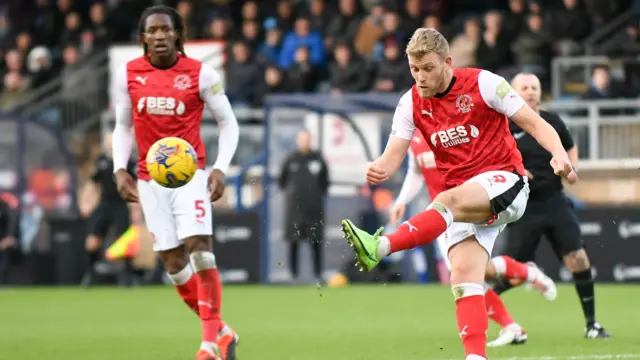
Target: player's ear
(448, 60)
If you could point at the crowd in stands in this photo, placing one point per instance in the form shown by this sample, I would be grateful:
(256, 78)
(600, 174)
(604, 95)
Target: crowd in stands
(310, 45)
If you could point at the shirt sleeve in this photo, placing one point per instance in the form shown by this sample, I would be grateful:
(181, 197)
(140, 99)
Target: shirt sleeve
(565, 135)
(412, 183)
(403, 126)
(214, 98)
(122, 141)
(498, 94)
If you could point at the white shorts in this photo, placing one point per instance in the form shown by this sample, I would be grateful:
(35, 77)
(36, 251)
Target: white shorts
(173, 215)
(508, 193)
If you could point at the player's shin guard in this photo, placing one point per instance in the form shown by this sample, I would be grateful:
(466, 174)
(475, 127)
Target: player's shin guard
(209, 294)
(186, 284)
(496, 309)
(508, 268)
(421, 229)
(471, 314)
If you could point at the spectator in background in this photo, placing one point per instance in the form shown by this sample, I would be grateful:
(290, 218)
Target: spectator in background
(270, 50)
(413, 19)
(344, 25)
(24, 44)
(570, 25)
(493, 51)
(303, 76)
(14, 63)
(392, 74)
(242, 75)
(274, 83)
(304, 178)
(347, 74)
(218, 29)
(40, 65)
(392, 30)
(43, 23)
(251, 34)
(284, 15)
(602, 87)
(370, 31)
(463, 47)
(64, 7)
(5, 32)
(99, 26)
(250, 11)
(72, 30)
(14, 85)
(514, 19)
(302, 36)
(319, 16)
(532, 48)
(185, 9)
(626, 42)
(602, 12)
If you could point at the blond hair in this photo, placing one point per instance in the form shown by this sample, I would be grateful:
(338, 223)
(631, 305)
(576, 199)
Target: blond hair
(425, 41)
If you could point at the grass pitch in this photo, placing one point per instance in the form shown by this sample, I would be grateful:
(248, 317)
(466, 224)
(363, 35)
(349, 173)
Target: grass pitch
(302, 323)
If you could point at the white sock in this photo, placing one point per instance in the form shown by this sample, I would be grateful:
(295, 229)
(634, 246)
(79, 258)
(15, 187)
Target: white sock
(210, 347)
(384, 247)
(474, 357)
(182, 276)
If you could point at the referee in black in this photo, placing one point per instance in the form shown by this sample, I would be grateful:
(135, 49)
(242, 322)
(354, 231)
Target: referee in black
(549, 212)
(111, 210)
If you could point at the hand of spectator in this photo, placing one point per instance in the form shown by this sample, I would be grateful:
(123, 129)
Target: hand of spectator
(8, 242)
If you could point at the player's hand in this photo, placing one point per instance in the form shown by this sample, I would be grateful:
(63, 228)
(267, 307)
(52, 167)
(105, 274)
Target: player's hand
(216, 185)
(376, 174)
(127, 187)
(397, 213)
(562, 167)
(528, 174)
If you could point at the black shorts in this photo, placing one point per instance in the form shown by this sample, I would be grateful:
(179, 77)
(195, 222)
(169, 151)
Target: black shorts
(109, 213)
(555, 219)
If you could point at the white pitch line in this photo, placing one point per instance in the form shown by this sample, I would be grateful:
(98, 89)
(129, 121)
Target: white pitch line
(575, 357)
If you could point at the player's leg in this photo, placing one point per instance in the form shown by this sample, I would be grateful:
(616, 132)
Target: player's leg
(506, 268)
(522, 241)
(121, 223)
(566, 239)
(193, 216)
(99, 222)
(467, 203)
(316, 235)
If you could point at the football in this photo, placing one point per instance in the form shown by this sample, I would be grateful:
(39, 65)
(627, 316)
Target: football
(172, 162)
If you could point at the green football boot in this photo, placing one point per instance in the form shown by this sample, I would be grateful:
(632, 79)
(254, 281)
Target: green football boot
(364, 244)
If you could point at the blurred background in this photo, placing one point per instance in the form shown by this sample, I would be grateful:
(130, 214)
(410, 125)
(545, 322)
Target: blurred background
(335, 69)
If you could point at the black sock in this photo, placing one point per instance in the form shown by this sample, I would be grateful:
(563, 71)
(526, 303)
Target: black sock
(584, 287)
(94, 257)
(502, 286)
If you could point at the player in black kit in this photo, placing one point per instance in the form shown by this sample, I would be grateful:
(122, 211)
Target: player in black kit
(549, 212)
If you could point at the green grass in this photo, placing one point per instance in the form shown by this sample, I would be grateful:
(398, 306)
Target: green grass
(302, 323)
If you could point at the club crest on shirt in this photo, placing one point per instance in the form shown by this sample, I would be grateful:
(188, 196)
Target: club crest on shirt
(464, 103)
(182, 82)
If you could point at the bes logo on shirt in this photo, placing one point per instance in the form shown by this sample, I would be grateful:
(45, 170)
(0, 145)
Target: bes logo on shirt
(160, 105)
(455, 136)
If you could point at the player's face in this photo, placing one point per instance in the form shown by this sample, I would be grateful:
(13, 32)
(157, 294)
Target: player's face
(160, 35)
(528, 87)
(429, 73)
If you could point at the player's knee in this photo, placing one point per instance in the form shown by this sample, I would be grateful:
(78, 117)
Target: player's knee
(467, 289)
(203, 260)
(174, 264)
(448, 199)
(198, 243)
(577, 261)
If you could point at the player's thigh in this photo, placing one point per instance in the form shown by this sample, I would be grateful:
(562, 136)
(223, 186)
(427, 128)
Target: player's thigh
(155, 202)
(469, 260)
(508, 194)
(192, 209)
(523, 237)
(564, 232)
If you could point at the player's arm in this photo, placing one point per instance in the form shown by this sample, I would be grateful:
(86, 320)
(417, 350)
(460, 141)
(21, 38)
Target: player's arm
(498, 94)
(122, 141)
(412, 183)
(566, 138)
(401, 134)
(214, 98)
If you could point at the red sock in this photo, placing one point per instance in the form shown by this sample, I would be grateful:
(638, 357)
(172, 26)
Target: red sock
(473, 323)
(189, 293)
(420, 230)
(209, 294)
(496, 309)
(512, 269)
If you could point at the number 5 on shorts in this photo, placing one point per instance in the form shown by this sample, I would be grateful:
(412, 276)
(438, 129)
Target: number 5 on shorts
(200, 210)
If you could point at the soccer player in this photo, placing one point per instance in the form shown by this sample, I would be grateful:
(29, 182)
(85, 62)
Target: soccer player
(549, 212)
(463, 113)
(422, 169)
(161, 94)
